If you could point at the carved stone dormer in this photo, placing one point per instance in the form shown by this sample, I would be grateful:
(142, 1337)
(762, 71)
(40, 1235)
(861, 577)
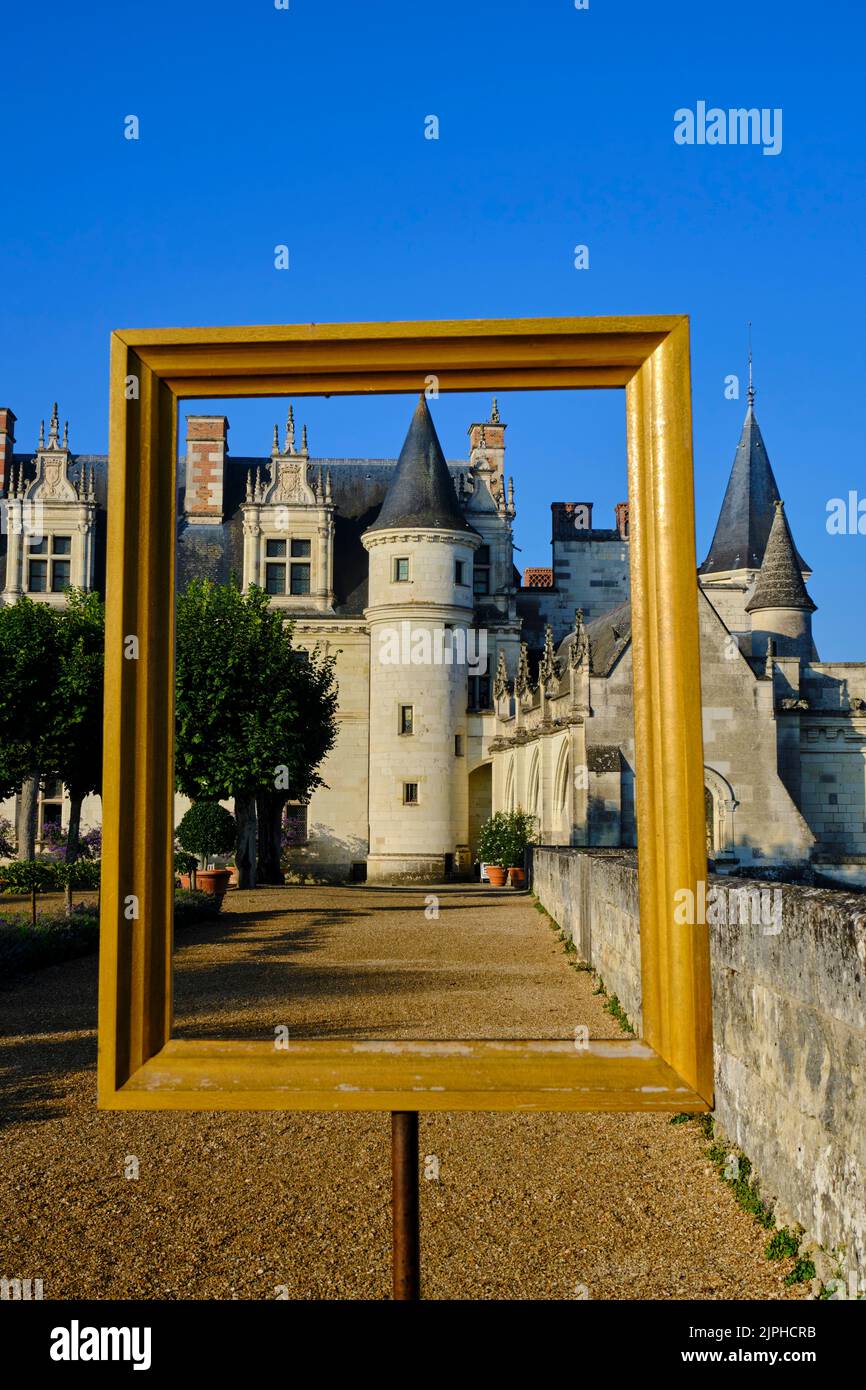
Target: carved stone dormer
(288, 526)
(51, 521)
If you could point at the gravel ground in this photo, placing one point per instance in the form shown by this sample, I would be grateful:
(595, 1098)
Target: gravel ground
(243, 1205)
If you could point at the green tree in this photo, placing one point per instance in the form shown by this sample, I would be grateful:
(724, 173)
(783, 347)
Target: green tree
(254, 716)
(29, 662)
(77, 726)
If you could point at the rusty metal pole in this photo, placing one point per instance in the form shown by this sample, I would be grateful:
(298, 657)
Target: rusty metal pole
(406, 1239)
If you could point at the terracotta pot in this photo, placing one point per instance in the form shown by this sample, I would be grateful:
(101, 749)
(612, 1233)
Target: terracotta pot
(496, 874)
(214, 881)
(517, 877)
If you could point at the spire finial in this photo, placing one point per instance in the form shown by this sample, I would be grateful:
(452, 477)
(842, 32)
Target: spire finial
(54, 429)
(41, 434)
(276, 448)
(304, 449)
(290, 432)
(494, 412)
(751, 387)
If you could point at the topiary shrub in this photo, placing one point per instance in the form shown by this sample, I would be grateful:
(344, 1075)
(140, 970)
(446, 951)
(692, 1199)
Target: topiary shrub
(30, 876)
(206, 830)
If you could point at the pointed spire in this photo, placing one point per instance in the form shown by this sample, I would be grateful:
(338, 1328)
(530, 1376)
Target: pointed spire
(512, 510)
(780, 582)
(548, 666)
(500, 683)
(421, 491)
(290, 432)
(250, 484)
(65, 434)
(751, 392)
(257, 487)
(328, 494)
(304, 449)
(521, 680)
(494, 412)
(744, 523)
(275, 449)
(91, 485)
(41, 444)
(54, 429)
(578, 652)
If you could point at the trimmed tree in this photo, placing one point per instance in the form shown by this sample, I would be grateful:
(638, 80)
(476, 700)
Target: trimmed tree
(207, 829)
(29, 661)
(254, 716)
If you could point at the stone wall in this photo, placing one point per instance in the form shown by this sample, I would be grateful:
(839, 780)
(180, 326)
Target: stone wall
(789, 1019)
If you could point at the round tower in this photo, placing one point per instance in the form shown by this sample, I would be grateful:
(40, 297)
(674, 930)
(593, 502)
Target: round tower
(780, 607)
(422, 649)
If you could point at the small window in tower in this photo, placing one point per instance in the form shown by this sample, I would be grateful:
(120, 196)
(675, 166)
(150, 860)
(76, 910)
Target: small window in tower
(410, 793)
(401, 570)
(458, 745)
(407, 719)
(459, 571)
(481, 570)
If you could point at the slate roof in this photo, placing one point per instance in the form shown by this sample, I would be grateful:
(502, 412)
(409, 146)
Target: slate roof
(608, 635)
(780, 582)
(421, 492)
(744, 523)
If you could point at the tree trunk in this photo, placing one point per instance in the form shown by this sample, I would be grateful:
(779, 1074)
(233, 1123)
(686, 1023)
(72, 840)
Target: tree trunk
(25, 829)
(74, 831)
(245, 852)
(270, 812)
(68, 891)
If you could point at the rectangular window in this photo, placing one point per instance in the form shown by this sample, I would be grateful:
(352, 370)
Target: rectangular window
(407, 719)
(401, 570)
(459, 571)
(275, 579)
(300, 579)
(481, 570)
(275, 549)
(479, 692)
(458, 745)
(300, 550)
(59, 576)
(37, 580)
(51, 575)
(410, 793)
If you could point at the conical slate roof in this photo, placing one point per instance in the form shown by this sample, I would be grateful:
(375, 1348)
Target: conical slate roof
(780, 582)
(743, 528)
(421, 493)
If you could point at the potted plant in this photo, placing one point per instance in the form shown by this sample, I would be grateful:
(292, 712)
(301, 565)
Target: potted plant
(502, 846)
(492, 849)
(519, 832)
(206, 830)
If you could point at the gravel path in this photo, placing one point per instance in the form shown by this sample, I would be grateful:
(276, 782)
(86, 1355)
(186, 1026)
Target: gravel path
(240, 1205)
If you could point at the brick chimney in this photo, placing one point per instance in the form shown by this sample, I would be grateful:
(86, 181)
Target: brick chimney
(622, 519)
(206, 449)
(7, 444)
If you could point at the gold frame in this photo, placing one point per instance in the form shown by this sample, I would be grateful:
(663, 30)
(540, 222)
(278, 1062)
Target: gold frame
(140, 1066)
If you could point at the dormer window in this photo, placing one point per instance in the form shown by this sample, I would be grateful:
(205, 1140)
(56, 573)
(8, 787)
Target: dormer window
(49, 561)
(287, 560)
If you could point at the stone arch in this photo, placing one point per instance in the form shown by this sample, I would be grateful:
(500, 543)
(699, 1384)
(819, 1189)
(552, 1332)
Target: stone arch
(480, 802)
(719, 807)
(533, 786)
(508, 798)
(562, 793)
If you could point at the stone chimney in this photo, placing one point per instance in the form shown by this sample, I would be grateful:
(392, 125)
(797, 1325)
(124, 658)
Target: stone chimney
(206, 449)
(487, 449)
(7, 444)
(621, 511)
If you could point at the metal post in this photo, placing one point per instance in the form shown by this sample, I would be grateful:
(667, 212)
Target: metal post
(404, 1205)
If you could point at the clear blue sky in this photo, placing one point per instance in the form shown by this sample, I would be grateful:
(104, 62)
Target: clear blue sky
(261, 126)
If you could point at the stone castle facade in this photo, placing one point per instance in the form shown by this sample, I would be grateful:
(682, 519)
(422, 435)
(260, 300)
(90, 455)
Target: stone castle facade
(465, 688)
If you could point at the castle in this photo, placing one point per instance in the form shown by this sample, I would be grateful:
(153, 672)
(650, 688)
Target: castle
(465, 688)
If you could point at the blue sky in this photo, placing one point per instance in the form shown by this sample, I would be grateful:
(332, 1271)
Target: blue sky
(261, 126)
